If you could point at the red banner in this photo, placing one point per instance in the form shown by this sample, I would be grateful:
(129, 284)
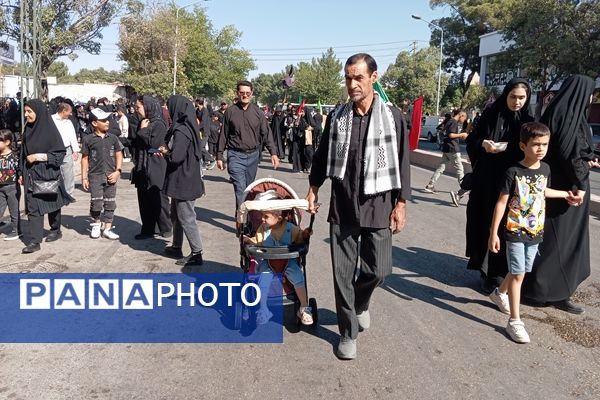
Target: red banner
(415, 126)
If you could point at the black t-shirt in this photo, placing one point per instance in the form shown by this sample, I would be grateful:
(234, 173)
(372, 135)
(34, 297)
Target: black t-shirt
(101, 152)
(527, 202)
(451, 145)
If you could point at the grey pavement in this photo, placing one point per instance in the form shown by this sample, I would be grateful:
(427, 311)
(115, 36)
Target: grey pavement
(433, 335)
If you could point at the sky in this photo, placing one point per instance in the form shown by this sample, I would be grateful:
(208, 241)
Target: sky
(278, 33)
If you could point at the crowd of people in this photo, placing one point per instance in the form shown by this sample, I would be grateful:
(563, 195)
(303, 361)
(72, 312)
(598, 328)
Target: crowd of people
(528, 193)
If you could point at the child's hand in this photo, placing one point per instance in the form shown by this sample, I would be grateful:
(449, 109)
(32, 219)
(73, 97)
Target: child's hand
(85, 183)
(246, 239)
(494, 243)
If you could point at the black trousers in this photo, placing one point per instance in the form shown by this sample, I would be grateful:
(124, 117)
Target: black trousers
(36, 225)
(353, 288)
(154, 210)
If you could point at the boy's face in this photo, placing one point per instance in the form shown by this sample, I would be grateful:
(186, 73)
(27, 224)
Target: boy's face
(101, 125)
(536, 148)
(4, 144)
(270, 219)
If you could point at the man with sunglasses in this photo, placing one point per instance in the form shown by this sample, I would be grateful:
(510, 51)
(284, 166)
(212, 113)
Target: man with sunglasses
(243, 132)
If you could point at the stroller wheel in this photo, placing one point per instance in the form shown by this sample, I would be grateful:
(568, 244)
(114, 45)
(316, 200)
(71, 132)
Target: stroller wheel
(312, 302)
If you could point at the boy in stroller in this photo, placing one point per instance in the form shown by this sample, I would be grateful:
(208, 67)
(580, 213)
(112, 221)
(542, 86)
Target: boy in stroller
(277, 231)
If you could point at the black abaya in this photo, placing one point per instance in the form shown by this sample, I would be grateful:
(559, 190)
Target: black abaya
(564, 260)
(500, 124)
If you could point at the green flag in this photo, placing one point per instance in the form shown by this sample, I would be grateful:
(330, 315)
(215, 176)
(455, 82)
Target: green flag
(319, 106)
(379, 89)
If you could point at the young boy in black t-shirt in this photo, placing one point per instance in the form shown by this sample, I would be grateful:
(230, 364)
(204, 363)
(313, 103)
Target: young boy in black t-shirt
(101, 161)
(9, 186)
(524, 189)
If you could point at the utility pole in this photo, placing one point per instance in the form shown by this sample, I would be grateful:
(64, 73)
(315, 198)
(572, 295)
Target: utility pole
(413, 47)
(30, 43)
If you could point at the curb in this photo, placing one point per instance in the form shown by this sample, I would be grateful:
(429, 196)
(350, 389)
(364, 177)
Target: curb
(430, 160)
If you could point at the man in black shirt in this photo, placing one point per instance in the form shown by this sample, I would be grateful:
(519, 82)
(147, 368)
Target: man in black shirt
(364, 149)
(451, 153)
(243, 132)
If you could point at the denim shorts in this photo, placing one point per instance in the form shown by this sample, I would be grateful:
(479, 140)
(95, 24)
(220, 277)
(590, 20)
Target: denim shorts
(520, 256)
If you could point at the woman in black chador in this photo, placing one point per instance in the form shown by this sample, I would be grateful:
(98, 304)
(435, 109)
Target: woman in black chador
(148, 174)
(41, 157)
(564, 260)
(500, 123)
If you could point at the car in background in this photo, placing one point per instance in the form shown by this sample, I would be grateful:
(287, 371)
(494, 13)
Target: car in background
(429, 126)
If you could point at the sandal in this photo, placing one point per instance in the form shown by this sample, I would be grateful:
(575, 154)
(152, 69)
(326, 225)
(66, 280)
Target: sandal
(263, 316)
(305, 315)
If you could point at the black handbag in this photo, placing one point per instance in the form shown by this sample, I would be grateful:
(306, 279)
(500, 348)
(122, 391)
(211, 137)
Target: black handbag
(39, 187)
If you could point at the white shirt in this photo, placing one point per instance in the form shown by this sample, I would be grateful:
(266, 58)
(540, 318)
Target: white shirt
(124, 126)
(67, 132)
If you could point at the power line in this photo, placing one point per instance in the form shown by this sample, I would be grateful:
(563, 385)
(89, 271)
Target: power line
(337, 47)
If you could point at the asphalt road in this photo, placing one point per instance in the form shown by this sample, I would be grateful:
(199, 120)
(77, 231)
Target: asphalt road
(433, 334)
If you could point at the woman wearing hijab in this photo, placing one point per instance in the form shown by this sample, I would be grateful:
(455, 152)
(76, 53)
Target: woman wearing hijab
(500, 123)
(42, 154)
(183, 183)
(564, 260)
(148, 174)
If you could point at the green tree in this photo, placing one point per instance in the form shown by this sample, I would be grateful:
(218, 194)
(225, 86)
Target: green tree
(60, 70)
(209, 62)
(268, 88)
(67, 26)
(413, 75)
(321, 79)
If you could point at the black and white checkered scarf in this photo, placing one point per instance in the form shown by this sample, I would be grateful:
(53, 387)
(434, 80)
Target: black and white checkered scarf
(381, 170)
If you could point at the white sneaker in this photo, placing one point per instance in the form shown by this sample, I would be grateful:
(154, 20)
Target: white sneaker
(109, 234)
(95, 230)
(501, 300)
(516, 331)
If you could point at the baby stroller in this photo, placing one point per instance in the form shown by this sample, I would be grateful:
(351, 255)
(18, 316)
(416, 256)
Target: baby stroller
(249, 219)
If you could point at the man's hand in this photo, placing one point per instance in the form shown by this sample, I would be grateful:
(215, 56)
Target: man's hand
(398, 217)
(75, 156)
(112, 178)
(86, 184)
(275, 161)
(313, 197)
(220, 165)
(593, 163)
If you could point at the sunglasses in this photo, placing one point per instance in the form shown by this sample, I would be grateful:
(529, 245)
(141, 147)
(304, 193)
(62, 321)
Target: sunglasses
(245, 93)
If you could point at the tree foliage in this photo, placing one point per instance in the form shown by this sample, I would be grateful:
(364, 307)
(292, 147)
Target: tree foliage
(559, 39)
(209, 62)
(67, 26)
(268, 88)
(413, 75)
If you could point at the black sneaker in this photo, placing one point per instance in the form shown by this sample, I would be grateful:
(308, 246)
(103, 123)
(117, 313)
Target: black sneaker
(53, 236)
(174, 252)
(192, 259)
(31, 248)
(14, 235)
(569, 306)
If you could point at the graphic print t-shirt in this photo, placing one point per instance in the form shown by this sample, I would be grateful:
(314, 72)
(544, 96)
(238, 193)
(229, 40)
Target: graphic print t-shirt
(527, 203)
(9, 169)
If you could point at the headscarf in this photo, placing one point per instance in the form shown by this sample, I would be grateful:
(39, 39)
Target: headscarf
(567, 114)
(498, 119)
(42, 135)
(152, 109)
(183, 114)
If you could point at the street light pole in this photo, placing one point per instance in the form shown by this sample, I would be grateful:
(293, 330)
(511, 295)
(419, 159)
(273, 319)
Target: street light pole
(176, 39)
(437, 107)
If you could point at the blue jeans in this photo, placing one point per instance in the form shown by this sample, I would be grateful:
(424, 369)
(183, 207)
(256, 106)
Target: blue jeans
(242, 169)
(520, 256)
